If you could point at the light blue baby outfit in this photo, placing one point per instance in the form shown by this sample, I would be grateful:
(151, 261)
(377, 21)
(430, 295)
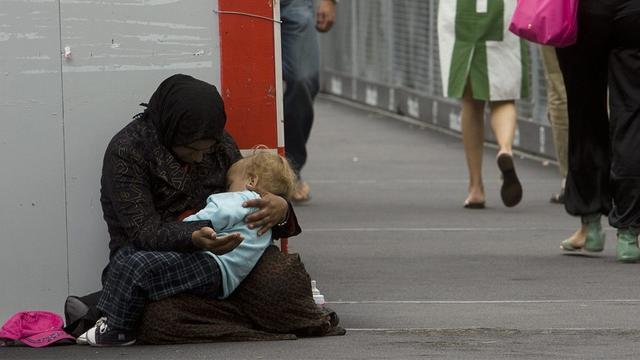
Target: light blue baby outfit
(226, 213)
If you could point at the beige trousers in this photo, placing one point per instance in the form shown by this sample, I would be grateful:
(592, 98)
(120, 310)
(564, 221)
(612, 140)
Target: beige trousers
(557, 107)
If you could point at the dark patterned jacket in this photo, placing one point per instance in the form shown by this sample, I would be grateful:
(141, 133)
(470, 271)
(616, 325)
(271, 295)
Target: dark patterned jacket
(145, 189)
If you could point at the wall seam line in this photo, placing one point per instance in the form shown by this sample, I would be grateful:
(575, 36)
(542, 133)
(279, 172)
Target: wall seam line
(64, 146)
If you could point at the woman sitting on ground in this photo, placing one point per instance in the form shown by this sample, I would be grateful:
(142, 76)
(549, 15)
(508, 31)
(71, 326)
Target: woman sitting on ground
(163, 164)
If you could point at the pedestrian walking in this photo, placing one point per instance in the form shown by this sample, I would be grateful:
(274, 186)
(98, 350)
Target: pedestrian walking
(483, 63)
(557, 114)
(604, 164)
(301, 68)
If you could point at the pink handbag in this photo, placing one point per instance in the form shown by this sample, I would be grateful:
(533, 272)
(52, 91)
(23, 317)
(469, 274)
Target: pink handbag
(548, 22)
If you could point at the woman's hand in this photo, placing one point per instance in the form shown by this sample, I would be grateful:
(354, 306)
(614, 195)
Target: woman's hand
(272, 210)
(207, 239)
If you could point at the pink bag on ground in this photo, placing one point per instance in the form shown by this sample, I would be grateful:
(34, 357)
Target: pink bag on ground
(548, 22)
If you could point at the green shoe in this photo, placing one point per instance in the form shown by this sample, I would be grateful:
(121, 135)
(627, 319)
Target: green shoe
(594, 241)
(566, 245)
(627, 250)
(595, 236)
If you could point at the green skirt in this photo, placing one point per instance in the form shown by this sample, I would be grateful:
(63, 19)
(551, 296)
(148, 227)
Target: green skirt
(476, 47)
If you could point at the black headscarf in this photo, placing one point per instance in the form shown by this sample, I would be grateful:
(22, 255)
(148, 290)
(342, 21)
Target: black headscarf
(184, 109)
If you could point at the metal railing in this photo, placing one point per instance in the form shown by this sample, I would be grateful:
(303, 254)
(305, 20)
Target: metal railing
(385, 53)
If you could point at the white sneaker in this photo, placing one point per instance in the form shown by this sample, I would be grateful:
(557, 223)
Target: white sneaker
(82, 339)
(102, 335)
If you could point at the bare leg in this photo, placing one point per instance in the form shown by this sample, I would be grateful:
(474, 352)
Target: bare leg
(503, 123)
(473, 141)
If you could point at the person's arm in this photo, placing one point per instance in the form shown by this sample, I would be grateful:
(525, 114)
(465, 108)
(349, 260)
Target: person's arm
(325, 15)
(289, 227)
(272, 210)
(125, 180)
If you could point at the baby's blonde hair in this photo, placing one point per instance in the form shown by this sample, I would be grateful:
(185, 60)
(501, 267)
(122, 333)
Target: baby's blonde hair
(273, 171)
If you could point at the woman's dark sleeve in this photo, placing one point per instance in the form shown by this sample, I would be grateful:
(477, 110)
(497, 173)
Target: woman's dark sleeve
(289, 227)
(125, 181)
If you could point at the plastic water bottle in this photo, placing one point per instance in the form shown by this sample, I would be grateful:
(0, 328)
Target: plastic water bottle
(317, 297)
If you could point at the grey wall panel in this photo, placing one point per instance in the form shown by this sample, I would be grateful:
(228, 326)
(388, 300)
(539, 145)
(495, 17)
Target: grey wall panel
(33, 259)
(120, 51)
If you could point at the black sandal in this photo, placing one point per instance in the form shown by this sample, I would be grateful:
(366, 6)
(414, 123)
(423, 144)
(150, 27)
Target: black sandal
(511, 190)
(474, 205)
(557, 198)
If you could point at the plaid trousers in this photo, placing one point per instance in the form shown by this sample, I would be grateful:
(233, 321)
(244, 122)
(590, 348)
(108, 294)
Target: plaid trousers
(134, 276)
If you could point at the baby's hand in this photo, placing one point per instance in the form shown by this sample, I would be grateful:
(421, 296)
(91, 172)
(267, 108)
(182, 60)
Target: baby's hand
(207, 239)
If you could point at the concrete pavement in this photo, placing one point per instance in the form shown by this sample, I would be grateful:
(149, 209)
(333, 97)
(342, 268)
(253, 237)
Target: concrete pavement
(414, 275)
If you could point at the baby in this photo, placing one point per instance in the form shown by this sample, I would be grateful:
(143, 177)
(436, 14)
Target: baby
(265, 171)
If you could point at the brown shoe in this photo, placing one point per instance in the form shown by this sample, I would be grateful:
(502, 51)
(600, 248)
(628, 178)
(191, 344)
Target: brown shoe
(302, 192)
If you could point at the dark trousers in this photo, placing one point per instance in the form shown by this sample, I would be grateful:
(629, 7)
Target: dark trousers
(133, 277)
(300, 68)
(604, 158)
